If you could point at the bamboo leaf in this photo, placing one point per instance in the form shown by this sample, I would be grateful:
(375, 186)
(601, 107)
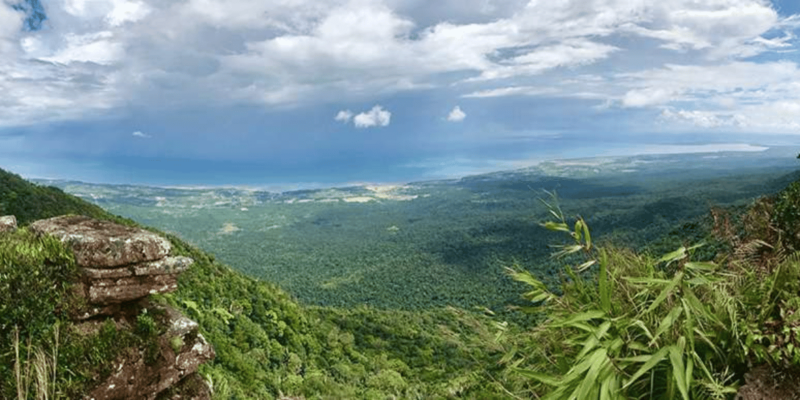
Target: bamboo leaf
(651, 362)
(567, 250)
(689, 325)
(639, 324)
(581, 317)
(676, 255)
(555, 226)
(689, 372)
(637, 359)
(602, 282)
(646, 281)
(609, 387)
(578, 230)
(577, 371)
(586, 265)
(667, 290)
(697, 246)
(594, 339)
(599, 360)
(544, 378)
(701, 266)
(667, 322)
(639, 346)
(678, 370)
(587, 236)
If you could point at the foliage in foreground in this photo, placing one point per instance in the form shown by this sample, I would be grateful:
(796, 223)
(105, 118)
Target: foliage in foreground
(41, 351)
(629, 325)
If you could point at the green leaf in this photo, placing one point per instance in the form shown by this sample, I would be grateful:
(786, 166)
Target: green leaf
(567, 250)
(594, 339)
(587, 236)
(602, 284)
(555, 226)
(577, 371)
(581, 317)
(599, 359)
(651, 362)
(544, 378)
(609, 387)
(667, 322)
(639, 324)
(639, 346)
(646, 281)
(586, 265)
(701, 266)
(578, 230)
(689, 372)
(667, 290)
(678, 370)
(676, 255)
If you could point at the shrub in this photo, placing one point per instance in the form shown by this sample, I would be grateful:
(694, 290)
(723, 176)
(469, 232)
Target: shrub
(659, 328)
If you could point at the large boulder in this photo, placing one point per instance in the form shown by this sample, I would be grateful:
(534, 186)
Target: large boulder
(103, 244)
(119, 267)
(118, 263)
(8, 223)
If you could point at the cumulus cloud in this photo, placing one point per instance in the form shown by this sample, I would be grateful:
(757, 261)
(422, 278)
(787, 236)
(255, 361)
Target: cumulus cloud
(344, 116)
(10, 25)
(103, 54)
(456, 115)
(127, 11)
(140, 134)
(98, 47)
(376, 117)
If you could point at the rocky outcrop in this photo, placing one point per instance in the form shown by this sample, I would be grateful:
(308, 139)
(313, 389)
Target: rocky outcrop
(103, 244)
(118, 263)
(181, 350)
(770, 383)
(8, 223)
(120, 267)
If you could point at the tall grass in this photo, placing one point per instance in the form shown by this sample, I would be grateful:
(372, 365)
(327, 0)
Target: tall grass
(35, 373)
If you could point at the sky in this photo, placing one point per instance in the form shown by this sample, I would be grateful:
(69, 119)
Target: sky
(245, 92)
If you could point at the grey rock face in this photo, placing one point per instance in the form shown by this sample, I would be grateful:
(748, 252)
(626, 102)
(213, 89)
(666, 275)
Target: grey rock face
(8, 223)
(120, 266)
(102, 244)
(134, 378)
(118, 263)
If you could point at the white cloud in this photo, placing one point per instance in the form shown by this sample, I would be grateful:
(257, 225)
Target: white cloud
(10, 25)
(103, 54)
(377, 116)
(98, 47)
(572, 53)
(456, 115)
(127, 11)
(344, 116)
(140, 134)
(511, 91)
(649, 96)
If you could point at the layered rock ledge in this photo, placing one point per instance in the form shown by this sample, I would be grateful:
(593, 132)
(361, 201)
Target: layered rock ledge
(118, 263)
(120, 267)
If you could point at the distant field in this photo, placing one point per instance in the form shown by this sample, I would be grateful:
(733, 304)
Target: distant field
(441, 243)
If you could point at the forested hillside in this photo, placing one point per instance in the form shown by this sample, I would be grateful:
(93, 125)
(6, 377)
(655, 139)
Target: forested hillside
(267, 344)
(434, 244)
(705, 320)
(30, 202)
